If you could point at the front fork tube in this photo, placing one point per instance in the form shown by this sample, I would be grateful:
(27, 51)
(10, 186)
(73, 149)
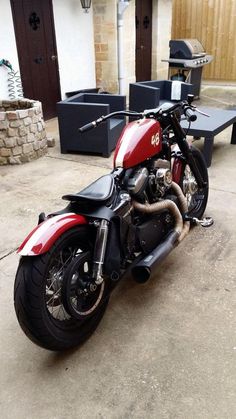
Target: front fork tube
(186, 150)
(99, 251)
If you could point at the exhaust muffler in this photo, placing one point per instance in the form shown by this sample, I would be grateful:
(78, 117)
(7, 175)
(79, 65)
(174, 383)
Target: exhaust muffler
(142, 270)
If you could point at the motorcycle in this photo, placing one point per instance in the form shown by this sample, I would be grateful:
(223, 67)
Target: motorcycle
(126, 222)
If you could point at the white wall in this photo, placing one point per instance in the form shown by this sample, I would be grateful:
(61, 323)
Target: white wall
(7, 45)
(75, 45)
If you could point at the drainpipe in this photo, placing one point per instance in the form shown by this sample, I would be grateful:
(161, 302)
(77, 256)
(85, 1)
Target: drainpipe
(121, 6)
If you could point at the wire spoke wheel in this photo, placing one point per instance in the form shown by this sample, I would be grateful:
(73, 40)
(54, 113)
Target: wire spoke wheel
(39, 293)
(54, 282)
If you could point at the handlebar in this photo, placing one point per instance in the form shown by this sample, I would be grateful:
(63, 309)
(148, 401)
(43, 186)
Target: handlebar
(190, 115)
(167, 108)
(164, 110)
(87, 127)
(103, 118)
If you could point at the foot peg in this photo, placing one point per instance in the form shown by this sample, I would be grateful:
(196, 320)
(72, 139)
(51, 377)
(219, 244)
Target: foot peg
(204, 222)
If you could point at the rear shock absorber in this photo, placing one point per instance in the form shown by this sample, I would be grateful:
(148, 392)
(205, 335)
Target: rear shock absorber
(99, 251)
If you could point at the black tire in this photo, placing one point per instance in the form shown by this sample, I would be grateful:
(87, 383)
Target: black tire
(197, 200)
(32, 295)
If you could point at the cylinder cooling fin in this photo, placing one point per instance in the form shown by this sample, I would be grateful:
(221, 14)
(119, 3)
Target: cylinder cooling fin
(137, 181)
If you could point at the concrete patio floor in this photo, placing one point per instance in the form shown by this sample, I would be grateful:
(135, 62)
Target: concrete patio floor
(164, 350)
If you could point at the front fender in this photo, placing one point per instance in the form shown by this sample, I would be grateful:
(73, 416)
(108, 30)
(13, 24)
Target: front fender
(41, 239)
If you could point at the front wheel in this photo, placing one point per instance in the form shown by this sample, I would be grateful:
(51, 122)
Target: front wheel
(39, 287)
(196, 198)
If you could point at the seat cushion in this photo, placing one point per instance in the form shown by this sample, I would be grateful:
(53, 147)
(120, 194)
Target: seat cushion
(99, 192)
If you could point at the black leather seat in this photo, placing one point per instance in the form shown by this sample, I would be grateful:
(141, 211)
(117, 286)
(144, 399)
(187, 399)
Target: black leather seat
(98, 193)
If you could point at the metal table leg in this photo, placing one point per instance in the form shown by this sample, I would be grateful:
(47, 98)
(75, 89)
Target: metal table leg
(207, 150)
(233, 136)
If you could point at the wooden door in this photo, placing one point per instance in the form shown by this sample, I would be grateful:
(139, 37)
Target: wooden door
(143, 39)
(36, 45)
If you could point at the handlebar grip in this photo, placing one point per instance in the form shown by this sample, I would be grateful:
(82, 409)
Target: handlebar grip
(191, 116)
(87, 127)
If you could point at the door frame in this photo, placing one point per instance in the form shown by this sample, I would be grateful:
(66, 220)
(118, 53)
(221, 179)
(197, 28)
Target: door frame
(22, 63)
(151, 40)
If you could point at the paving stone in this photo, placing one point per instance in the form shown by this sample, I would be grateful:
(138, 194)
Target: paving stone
(35, 119)
(12, 115)
(10, 142)
(17, 150)
(3, 125)
(24, 158)
(23, 131)
(30, 137)
(2, 116)
(43, 143)
(15, 124)
(39, 126)
(22, 140)
(3, 160)
(36, 146)
(12, 132)
(33, 128)
(23, 113)
(27, 148)
(50, 142)
(14, 160)
(5, 152)
(27, 121)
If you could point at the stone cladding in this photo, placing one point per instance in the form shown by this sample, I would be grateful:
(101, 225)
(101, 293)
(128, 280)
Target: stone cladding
(105, 38)
(22, 131)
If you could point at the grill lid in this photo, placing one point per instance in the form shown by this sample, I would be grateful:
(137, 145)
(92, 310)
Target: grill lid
(186, 48)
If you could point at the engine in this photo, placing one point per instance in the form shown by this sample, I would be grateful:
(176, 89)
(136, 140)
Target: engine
(152, 184)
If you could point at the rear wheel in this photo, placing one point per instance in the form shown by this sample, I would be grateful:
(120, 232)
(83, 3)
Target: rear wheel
(40, 299)
(196, 198)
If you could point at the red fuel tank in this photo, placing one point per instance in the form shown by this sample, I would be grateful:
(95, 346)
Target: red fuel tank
(139, 141)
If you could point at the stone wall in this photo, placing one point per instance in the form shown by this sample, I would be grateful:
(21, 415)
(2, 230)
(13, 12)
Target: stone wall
(105, 40)
(22, 131)
(105, 36)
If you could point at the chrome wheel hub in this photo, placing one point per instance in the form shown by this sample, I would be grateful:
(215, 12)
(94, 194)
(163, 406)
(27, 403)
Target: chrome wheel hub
(189, 185)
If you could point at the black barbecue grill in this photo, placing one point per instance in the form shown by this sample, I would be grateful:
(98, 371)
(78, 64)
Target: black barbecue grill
(189, 55)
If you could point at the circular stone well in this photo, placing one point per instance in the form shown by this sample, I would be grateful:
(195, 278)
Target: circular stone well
(22, 131)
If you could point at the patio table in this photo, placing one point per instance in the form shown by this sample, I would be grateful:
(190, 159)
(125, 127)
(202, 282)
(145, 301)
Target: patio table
(208, 127)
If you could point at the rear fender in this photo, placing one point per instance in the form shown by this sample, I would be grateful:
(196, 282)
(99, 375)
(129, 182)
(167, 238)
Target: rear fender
(41, 239)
